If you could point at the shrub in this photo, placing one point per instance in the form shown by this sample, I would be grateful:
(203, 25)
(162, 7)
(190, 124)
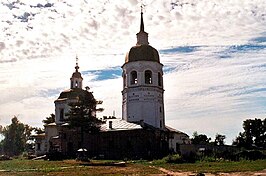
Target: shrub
(251, 155)
(176, 158)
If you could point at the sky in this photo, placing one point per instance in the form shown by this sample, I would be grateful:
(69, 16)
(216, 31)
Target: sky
(213, 52)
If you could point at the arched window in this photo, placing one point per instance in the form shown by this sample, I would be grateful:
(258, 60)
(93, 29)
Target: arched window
(134, 77)
(148, 77)
(61, 114)
(72, 84)
(159, 79)
(124, 80)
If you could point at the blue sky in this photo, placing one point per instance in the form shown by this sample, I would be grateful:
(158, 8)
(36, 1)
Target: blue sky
(214, 56)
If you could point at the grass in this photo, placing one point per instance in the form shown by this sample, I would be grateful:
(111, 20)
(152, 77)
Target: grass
(217, 167)
(71, 167)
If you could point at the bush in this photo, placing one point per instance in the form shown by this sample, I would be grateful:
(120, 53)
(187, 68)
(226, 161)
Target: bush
(176, 158)
(191, 158)
(251, 155)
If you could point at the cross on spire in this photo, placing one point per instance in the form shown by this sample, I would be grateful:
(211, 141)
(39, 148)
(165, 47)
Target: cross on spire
(141, 21)
(77, 65)
(142, 36)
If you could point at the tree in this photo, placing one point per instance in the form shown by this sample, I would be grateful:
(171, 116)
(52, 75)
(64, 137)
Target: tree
(38, 130)
(82, 115)
(16, 136)
(50, 119)
(200, 138)
(219, 139)
(254, 134)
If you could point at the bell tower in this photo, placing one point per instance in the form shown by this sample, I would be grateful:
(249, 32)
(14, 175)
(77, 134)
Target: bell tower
(76, 79)
(143, 91)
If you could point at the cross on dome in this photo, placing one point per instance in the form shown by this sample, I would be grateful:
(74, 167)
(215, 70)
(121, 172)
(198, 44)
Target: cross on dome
(141, 21)
(142, 36)
(77, 65)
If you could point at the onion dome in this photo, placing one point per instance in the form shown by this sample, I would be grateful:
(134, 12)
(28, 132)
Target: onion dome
(142, 51)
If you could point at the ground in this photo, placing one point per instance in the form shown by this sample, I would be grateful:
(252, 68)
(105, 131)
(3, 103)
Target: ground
(72, 167)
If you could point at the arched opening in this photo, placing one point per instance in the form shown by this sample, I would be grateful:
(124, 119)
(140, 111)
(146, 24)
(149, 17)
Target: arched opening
(159, 79)
(124, 80)
(148, 77)
(134, 77)
(61, 114)
(72, 84)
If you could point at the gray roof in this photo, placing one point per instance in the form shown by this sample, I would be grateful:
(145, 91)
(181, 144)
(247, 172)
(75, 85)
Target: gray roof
(174, 130)
(119, 124)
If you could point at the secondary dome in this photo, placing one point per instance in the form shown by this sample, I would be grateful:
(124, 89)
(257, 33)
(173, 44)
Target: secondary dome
(76, 75)
(76, 93)
(142, 53)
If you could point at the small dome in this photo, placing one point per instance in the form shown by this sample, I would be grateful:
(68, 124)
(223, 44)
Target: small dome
(76, 75)
(142, 53)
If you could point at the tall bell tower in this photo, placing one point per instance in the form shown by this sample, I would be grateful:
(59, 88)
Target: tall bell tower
(143, 98)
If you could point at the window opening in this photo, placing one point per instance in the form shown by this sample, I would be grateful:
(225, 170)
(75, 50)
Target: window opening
(148, 77)
(134, 77)
(61, 114)
(159, 79)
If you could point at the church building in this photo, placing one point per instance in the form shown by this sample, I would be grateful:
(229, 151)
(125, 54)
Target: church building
(141, 133)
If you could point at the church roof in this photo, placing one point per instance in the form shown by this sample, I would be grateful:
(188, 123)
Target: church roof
(142, 53)
(170, 129)
(118, 125)
(75, 93)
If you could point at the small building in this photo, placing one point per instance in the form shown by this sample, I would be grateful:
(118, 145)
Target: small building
(176, 138)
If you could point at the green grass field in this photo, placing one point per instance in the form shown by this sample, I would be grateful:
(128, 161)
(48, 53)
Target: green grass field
(72, 167)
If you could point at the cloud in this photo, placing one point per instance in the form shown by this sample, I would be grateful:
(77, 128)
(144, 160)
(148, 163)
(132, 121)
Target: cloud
(213, 54)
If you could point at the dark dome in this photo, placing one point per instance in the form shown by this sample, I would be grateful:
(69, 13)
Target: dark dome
(142, 53)
(75, 93)
(76, 75)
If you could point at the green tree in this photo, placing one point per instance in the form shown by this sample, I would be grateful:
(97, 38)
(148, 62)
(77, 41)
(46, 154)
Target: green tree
(50, 119)
(219, 139)
(38, 130)
(16, 136)
(254, 134)
(82, 115)
(199, 138)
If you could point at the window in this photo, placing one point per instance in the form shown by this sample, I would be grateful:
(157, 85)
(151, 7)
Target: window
(76, 85)
(124, 80)
(61, 114)
(134, 77)
(159, 79)
(148, 77)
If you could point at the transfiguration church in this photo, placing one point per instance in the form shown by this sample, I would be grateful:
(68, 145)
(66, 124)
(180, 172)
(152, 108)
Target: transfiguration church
(141, 133)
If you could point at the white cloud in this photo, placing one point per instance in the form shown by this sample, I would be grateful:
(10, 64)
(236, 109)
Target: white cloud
(214, 83)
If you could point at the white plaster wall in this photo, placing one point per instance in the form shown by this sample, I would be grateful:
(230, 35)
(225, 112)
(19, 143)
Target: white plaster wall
(143, 101)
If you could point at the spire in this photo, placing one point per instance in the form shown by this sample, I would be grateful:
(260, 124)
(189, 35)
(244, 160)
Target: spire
(77, 65)
(141, 20)
(142, 36)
